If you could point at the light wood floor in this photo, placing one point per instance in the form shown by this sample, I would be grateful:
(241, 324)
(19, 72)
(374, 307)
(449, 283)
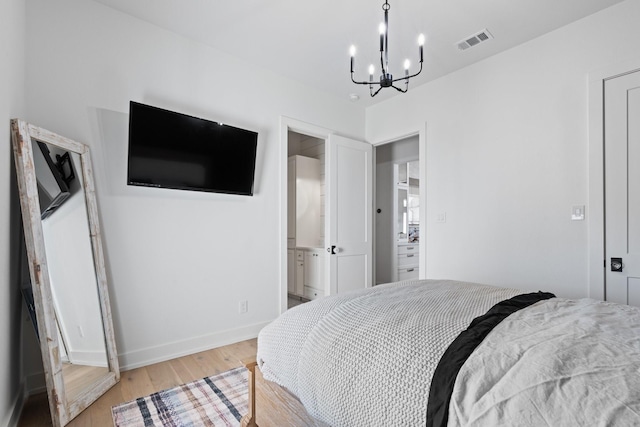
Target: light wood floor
(77, 377)
(143, 381)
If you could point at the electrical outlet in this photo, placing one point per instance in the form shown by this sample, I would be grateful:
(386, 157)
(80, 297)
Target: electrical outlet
(243, 306)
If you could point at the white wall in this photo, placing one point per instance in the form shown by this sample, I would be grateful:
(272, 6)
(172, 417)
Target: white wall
(12, 36)
(178, 262)
(507, 142)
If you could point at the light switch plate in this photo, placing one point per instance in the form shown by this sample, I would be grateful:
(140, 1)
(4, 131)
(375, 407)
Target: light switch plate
(441, 217)
(577, 213)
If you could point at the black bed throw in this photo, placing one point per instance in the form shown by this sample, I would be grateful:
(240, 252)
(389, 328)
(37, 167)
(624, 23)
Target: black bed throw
(461, 348)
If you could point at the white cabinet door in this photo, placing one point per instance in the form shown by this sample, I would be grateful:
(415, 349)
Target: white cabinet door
(314, 269)
(291, 271)
(307, 202)
(310, 270)
(291, 199)
(349, 229)
(314, 286)
(622, 188)
(303, 206)
(299, 289)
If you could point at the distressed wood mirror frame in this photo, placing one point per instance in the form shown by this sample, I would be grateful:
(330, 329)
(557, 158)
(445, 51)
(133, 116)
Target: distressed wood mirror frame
(63, 403)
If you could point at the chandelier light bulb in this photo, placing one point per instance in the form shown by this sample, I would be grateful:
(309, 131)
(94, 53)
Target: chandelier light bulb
(382, 29)
(407, 64)
(352, 50)
(371, 70)
(421, 46)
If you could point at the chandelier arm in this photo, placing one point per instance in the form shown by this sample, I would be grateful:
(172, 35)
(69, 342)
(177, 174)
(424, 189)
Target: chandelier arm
(408, 77)
(374, 93)
(398, 89)
(363, 82)
(393, 81)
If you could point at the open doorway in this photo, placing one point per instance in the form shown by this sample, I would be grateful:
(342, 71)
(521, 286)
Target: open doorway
(344, 259)
(397, 217)
(305, 218)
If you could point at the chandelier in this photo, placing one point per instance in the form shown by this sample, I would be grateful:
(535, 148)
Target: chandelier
(386, 79)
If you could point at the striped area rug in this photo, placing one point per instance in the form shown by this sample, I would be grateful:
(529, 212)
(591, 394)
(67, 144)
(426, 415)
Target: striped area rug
(220, 400)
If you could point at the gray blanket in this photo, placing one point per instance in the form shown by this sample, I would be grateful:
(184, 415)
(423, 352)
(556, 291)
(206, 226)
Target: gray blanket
(557, 363)
(366, 358)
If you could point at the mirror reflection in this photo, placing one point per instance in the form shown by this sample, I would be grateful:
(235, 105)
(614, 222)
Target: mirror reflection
(66, 269)
(72, 273)
(407, 213)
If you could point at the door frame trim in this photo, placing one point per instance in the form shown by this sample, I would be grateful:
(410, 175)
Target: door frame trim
(596, 209)
(421, 132)
(289, 124)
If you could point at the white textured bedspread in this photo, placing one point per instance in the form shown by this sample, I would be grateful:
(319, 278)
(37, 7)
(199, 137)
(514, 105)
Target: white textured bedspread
(557, 363)
(366, 358)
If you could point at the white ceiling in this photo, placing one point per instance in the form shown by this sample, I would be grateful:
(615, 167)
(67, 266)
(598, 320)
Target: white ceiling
(309, 41)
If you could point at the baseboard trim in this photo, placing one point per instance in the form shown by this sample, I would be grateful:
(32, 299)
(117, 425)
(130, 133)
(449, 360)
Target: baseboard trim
(89, 358)
(172, 350)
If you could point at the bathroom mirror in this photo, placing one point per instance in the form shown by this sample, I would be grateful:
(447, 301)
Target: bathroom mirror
(66, 268)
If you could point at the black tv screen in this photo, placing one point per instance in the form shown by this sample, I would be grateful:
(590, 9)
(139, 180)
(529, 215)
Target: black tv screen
(173, 150)
(53, 191)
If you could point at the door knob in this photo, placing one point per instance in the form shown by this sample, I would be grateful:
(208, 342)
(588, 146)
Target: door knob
(616, 264)
(333, 250)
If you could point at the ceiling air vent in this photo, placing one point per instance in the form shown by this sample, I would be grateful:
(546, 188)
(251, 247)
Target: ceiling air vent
(473, 40)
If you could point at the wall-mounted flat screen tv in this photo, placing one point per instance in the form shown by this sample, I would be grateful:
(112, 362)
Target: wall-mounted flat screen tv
(173, 150)
(52, 188)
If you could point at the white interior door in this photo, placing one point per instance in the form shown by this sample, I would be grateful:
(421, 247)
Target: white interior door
(349, 214)
(622, 188)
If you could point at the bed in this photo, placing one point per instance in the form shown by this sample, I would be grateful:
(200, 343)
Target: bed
(388, 355)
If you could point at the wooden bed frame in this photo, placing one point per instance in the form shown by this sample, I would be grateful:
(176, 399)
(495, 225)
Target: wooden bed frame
(271, 404)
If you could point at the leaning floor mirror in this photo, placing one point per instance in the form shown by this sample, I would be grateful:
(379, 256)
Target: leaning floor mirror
(66, 268)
